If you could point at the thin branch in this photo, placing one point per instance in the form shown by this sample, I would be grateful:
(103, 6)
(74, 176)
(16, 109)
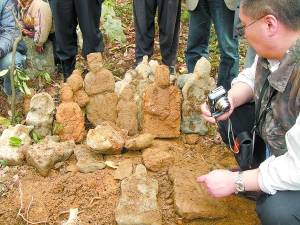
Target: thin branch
(12, 69)
(27, 214)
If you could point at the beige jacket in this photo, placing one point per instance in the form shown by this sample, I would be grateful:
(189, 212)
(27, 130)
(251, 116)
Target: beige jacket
(231, 4)
(37, 16)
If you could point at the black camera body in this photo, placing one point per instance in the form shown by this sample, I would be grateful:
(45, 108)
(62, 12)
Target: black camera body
(218, 102)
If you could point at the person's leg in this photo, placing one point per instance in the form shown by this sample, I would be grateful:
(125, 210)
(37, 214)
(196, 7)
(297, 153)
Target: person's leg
(169, 12)
(223, 19)
(283, 208)
(65, 21)
(144, 13)
(89, 13)
(5, 63)
(198, 37)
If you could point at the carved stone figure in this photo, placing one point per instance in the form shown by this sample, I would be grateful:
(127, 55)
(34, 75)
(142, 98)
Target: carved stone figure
(195, 89)
(162, 103)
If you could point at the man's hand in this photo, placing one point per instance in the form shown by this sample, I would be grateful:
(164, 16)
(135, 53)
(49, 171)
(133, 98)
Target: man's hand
(28, 33)
(206, 114)
(39, 49)
(219, 183)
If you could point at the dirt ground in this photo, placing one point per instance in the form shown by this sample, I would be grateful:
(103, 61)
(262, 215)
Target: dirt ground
(96, 194)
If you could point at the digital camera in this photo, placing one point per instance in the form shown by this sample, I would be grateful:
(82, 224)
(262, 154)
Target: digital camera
(218, 102)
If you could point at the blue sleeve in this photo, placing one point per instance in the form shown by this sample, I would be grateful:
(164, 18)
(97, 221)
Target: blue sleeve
(8, 29)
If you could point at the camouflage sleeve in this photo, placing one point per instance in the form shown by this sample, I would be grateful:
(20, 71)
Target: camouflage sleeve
(8, 29)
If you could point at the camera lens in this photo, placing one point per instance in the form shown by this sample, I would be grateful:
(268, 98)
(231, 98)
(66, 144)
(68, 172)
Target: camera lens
(222, 105)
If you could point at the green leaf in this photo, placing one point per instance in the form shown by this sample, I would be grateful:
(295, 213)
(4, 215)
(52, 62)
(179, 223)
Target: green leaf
(47, 77)
(3, 73)
(15, 141)
(57, 128)
(26, 89)
(35, 136)
(3, 163)
(4, 121)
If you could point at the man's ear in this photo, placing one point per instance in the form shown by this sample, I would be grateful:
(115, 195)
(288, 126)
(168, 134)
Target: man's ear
(272, 24)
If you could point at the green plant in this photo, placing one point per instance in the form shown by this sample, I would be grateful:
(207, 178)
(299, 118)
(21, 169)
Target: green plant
(112, 25)
(16, 118)
(15, 141)
(45, 76)
(57, 128)
(4, 122)
(184, 16)
(3, 163)
(35, 136)
(21, 79)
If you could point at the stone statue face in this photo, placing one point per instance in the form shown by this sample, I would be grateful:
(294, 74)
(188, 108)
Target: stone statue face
(94, 61)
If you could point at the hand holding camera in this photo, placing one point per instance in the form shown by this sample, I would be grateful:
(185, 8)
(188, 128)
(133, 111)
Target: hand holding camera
(218, 107)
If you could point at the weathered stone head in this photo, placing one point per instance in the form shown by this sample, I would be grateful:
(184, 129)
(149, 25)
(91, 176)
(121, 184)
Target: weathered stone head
(75, 81)
(66, 93)
(202, 68)
(94, 61)
(162, 76)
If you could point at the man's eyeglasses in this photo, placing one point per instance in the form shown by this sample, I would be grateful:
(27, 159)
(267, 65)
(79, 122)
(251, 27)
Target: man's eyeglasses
(240, 29)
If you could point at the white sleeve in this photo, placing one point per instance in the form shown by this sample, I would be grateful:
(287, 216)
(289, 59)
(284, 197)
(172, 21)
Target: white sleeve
(283, 172)
(247, 75)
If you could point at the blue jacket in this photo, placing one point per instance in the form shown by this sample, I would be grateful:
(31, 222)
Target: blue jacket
(8, 29)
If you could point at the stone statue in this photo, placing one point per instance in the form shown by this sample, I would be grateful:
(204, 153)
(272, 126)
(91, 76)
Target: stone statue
(162, 103)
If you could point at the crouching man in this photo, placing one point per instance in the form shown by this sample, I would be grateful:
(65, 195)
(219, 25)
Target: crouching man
(8, 33)
(272, 28)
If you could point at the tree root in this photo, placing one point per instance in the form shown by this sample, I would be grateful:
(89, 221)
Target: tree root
(26, 218)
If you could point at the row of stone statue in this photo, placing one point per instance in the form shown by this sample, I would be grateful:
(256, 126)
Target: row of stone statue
(145, 101)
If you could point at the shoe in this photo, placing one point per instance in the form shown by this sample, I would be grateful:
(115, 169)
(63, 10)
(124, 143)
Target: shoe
(172, 70)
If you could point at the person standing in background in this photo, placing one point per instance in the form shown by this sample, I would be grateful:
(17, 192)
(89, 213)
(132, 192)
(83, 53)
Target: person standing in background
(67, 14)
(169, 12)
(221, 13)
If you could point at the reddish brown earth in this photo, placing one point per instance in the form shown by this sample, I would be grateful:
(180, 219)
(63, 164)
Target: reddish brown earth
(96, 194)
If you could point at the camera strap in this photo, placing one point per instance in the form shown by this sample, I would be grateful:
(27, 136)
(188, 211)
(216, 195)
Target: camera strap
(260, 117)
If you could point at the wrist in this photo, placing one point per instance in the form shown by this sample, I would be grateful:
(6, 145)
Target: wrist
(231, 100)
(239, 183)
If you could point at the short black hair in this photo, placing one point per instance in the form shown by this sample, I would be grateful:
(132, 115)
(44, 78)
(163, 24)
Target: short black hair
(286, 11)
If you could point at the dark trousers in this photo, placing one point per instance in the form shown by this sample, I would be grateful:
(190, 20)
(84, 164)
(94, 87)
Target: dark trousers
(283, 208)
(169, 12)
(67, 14)
(200, 20)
